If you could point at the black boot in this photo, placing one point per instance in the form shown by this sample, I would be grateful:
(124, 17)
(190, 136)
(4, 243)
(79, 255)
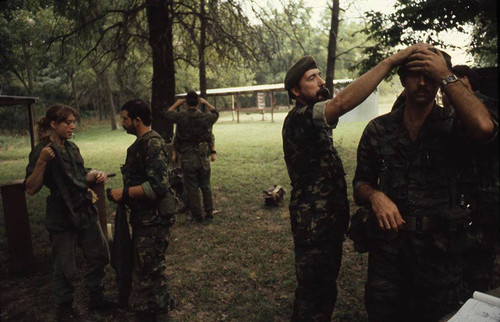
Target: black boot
(209, 215)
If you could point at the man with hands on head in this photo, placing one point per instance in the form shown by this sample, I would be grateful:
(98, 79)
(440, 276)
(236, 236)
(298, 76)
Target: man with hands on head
(319, 210)
(152, 205)
(406, 173)
(193, 136)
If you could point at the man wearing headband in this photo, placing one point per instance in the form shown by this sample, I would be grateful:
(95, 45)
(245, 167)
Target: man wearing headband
(319, 210)
(407, 166)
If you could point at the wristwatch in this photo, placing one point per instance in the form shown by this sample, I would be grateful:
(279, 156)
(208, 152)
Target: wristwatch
(449, 79)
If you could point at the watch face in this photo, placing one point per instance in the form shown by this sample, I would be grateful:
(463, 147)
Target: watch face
(451, 78)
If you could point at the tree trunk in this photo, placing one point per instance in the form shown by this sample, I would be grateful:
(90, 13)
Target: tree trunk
(201, 50)
(109, 97)
(73, 89)
(160, 20)
(201, 53)
(120, 76)
(94, 105)
(332, 47)
(29, 72)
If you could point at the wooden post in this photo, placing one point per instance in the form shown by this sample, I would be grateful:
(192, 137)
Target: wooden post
(238, 106)
(232, 105)
(271, 97)
(17, 227)
(264, 109)
(31, 123)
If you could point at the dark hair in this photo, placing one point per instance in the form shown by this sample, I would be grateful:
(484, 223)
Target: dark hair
(57, 113)
(138, 108)
(466, 71)
(192, 99)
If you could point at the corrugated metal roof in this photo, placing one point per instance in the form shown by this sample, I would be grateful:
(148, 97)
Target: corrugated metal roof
(255, 88)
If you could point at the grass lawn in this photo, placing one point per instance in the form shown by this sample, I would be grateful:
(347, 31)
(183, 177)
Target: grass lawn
(237, 268)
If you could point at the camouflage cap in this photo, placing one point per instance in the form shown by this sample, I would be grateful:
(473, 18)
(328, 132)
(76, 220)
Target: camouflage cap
(295, 72)
(402, 70)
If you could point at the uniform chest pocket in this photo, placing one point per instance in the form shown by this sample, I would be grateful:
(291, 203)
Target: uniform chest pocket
(393, 169)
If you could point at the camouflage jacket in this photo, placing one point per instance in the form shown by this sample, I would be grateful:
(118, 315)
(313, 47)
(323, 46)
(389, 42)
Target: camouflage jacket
(193, 127)
(479, 173)
(319, 210)
(420, 176)
(56, 209)
(147, 165)
(308, 147)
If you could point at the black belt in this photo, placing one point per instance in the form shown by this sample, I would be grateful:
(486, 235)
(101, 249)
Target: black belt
(420, 223)
(432, 224)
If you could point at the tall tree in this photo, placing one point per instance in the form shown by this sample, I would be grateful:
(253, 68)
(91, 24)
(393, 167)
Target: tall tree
(160, 20)
(332, 46)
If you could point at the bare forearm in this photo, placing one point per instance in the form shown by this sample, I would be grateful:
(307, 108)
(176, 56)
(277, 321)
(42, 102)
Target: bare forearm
(470, 110)
(35, 181)
(136, 192)
(364, 194)
(357, 91)
(210, 106)
(386, 212)
(177, 103)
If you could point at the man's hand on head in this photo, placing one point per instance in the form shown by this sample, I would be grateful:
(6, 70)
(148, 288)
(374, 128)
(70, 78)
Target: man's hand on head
(429, 61)
(402, 55)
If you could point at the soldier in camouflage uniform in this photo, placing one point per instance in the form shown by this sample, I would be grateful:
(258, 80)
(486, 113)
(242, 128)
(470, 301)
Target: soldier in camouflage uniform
(152, 206)
(407, 169)
(56, 163)
(479, 190)
(319, 210)
(193, 137)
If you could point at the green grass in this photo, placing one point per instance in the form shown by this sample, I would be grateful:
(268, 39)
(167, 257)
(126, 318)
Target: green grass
(237, 268)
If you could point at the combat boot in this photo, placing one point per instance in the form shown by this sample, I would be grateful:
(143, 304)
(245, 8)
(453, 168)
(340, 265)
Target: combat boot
(209, 215)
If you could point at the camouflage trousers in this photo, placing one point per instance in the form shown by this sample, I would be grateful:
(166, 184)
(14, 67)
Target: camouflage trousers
(482, 271)
(96, 252)
(196, 172)
(316, 293)
(408, 281)
(149, 280)
(479, 266)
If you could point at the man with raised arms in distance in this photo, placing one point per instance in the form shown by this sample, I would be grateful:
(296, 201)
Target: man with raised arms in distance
(194, 143)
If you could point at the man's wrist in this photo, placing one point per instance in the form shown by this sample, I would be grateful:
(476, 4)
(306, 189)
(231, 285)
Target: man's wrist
(448, 79)
(213, 152)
